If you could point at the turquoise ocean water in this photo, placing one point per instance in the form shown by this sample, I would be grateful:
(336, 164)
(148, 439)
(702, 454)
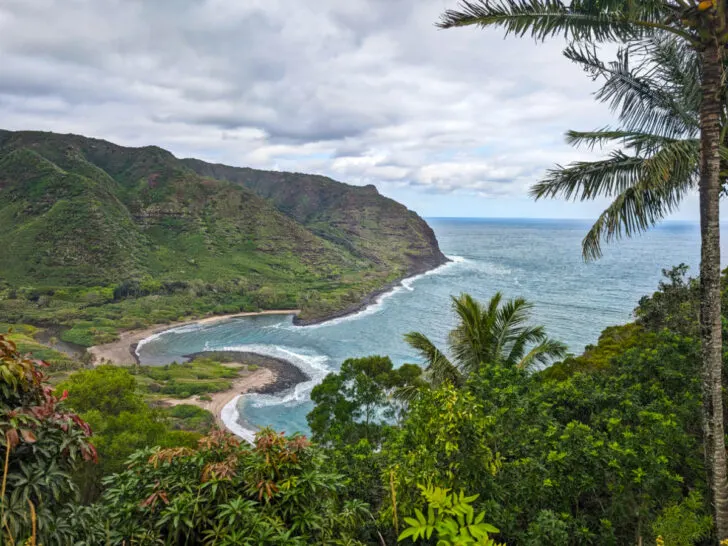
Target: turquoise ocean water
(537, 259)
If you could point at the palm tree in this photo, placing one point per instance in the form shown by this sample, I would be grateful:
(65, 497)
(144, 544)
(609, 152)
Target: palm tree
(497, 333)
(703, 26)
(655, 159)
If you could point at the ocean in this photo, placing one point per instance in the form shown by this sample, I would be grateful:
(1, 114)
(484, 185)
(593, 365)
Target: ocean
(536, 259)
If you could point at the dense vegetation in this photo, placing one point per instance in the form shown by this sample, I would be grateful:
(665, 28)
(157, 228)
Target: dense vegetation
(490, 442)
(98, 238)
(668, 87)
(600, 448)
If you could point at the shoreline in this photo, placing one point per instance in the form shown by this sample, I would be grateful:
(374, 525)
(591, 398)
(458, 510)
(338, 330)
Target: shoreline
(370, 299)
(273, 376)
(286, 375)
(276, 376)
(122, 352)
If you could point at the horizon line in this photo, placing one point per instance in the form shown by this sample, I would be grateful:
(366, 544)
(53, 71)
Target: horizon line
(542, 218)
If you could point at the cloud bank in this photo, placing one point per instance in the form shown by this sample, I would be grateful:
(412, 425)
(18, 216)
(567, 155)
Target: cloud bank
(365, 91)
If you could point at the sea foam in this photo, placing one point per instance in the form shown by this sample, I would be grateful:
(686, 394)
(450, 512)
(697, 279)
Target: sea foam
(378, 305)
(313, 365)
(230, 415)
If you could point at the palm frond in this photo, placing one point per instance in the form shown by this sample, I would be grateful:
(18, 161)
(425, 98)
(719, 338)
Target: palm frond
(639, 142)
(439, 368)
(638, 208)
(517, 347)
(408, 393)
(510, 323)
(647, 85)
(585, 180)
(543, 354)
(498, 333)
(469, 339)
(606, 20)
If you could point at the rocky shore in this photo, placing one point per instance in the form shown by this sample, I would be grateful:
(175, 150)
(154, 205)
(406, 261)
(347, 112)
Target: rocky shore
(371, 298)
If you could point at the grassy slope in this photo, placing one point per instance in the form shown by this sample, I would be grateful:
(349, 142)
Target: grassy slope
(75, 214)
(358, 218)
(81, 217)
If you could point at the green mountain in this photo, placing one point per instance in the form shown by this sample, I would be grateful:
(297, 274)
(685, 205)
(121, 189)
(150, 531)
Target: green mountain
(358, 218)
(78, 213)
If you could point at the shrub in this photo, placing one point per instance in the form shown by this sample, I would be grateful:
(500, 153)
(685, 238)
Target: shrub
(226, 493)
(42, 445)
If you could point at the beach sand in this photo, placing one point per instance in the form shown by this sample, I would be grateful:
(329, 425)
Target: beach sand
(121, 351)
(252, 381)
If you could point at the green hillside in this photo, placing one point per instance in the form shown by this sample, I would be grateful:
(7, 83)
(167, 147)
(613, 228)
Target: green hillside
(359, 218)
(90, 229)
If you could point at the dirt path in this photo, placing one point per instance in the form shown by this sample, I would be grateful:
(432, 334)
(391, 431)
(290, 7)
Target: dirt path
(120, 352)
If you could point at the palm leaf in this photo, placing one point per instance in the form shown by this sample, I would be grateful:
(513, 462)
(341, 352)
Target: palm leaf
(586, 180)
(643, 85)
(542, 354)
(639, 142)
(637, 209)
(469, 339)
(606, 20)
(439, 368)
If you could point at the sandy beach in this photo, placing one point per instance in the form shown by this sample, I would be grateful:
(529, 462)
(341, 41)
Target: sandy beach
(121, 352)
(252, 381)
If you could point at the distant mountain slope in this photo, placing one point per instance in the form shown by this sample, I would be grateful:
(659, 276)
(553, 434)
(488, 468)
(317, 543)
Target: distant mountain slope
(76, 211)
(372, 226)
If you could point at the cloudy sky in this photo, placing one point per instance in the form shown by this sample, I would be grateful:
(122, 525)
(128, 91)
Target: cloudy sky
(451, 123)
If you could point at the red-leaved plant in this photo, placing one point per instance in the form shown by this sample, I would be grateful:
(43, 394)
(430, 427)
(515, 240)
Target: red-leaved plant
(41, 444)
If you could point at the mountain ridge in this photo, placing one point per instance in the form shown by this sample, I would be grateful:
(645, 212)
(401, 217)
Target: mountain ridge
(79, 214)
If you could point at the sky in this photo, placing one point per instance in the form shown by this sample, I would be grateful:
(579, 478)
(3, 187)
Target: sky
(449, 122)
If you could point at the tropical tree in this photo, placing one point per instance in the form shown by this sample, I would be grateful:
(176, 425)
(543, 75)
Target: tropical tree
(654, 87)
(357, 403)
(497, 333)
(703, 26)
(281, 491)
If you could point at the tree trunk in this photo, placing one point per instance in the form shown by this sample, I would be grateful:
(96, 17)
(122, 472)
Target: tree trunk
(710, 290)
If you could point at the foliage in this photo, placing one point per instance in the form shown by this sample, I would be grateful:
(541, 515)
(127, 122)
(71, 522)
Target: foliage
(654, 87)
(42, 445)
(600, 449)
(592, 450)
(56, 360)
(357, 402)
(190, 418)
(450, 518)
(700, 28)
(497, 333)
(613, 342)
(675, 305)
(447, 438)
(108, 398)
(547, 530)
(201, 376)
(108, 389)
(278, 492)
(99, 238)
(683, 524)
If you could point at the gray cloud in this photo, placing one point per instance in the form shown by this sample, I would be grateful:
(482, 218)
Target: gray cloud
(367, 91)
